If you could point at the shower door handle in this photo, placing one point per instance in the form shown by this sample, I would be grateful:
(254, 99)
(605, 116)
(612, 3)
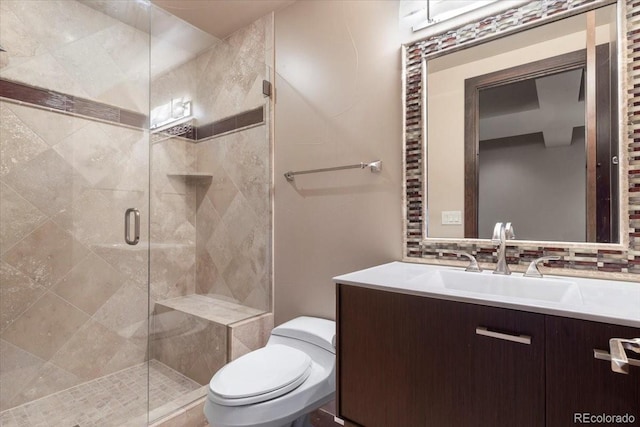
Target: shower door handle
(136, 226)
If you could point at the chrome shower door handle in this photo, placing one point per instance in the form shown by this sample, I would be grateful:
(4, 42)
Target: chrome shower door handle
(136, 226)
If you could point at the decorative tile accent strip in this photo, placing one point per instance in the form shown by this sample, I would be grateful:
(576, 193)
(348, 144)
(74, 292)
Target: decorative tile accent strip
(229, 124)
(232, 123)
(70, 104)
(97, 110)
(573, 257)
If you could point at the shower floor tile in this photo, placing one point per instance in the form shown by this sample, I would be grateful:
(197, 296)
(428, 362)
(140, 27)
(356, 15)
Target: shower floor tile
(119, 399)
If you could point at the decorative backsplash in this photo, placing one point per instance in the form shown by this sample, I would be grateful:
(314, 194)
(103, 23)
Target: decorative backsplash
(575, 258)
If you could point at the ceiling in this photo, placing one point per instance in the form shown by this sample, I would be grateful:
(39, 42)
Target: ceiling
(220, 18)
(553, 105)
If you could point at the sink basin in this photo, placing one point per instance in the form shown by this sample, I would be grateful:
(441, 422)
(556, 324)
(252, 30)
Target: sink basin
(513, 286)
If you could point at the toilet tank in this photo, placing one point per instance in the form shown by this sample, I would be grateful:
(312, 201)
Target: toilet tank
(314, 330)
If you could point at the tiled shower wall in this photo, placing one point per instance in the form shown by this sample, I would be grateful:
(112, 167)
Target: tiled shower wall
(73, 296)
(234, 249)
(231, 208)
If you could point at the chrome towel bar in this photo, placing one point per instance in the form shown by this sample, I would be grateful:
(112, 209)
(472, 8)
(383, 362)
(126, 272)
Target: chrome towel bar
(375, 166)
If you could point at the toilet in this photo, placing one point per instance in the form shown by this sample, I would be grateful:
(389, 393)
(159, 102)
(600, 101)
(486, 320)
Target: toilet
(279, 384)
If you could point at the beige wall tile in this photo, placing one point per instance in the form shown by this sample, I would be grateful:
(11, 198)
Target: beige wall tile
(130, 261)
(221, 191)
(260, 297)
(173, 218)
(19, 143)
(207, 220)
(249, 335)
(92, 218)
(191, 345)
(77, 20)
(14, 32)
(45, 327)
(46, 255)
(87, 353)
(48, 182)
(89, 284)
(17, 368)
(125, 313)
(44, 71)
(132, 352)
(49, 125)
(19, 217)
(169, 264)
(17, 293)
(50, 379)
(91, 152)
(207, 274)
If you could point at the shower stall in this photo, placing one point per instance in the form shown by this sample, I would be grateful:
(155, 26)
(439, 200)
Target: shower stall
(135, 209)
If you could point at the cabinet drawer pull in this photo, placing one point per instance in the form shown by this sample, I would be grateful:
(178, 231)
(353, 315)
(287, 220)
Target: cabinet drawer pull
(522, 339)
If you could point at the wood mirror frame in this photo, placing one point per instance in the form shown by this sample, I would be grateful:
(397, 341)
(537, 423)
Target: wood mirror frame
(620, 260)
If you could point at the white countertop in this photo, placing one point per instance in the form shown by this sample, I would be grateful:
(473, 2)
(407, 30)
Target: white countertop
(608, 301)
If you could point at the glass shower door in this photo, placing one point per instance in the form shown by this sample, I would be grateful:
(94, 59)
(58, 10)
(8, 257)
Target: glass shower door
(74, 157)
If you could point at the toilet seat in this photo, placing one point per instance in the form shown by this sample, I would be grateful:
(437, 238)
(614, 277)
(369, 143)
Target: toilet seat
(261, 375)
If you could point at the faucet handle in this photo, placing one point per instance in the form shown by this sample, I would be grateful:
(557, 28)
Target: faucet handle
(501, 232)
(497, 231)
(509, 234)
(533, 271)
(473, 263)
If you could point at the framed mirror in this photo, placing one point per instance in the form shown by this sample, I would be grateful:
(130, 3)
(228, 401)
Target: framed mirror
(507, 125)
(426, 238)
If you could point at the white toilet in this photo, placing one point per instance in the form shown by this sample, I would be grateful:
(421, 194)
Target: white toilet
(279, 384)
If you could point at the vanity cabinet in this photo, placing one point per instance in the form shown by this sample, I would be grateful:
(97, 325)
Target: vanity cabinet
(407, 360)
(577, 382)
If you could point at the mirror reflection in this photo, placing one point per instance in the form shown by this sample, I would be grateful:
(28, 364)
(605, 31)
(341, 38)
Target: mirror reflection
(507, 135)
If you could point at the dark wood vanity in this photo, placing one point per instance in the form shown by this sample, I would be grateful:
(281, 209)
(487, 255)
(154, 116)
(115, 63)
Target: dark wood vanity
(408, 360)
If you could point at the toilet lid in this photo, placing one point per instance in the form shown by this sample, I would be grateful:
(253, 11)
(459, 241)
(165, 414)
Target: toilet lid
(271, 369)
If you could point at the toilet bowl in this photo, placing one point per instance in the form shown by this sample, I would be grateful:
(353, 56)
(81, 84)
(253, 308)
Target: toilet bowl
(279, 384)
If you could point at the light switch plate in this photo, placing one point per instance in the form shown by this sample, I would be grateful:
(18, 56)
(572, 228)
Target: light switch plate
(451, 217)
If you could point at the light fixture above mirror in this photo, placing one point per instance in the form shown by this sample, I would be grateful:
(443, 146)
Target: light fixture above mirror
(434, 11)
(427, 16)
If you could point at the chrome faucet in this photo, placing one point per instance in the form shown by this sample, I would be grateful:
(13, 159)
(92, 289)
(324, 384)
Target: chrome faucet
(502, 233)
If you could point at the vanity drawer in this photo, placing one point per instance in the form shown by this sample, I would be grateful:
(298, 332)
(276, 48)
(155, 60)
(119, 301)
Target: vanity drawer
(416, 361)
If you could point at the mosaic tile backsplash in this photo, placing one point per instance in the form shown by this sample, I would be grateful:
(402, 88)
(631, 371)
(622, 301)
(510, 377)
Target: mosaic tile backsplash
(574, 259)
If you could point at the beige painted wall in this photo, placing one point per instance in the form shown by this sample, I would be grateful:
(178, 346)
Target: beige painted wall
(338, 101)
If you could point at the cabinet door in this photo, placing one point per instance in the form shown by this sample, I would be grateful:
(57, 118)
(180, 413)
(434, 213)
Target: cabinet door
(412, 361)
(402, 360)
(577, 382)
(507, 368)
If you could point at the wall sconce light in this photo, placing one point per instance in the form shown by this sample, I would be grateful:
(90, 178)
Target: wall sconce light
(177, 111)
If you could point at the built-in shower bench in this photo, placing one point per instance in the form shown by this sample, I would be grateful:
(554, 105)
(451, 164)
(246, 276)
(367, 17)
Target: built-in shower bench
(197, 334)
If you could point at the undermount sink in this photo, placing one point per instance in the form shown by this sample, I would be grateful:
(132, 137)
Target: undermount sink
(512, 286)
